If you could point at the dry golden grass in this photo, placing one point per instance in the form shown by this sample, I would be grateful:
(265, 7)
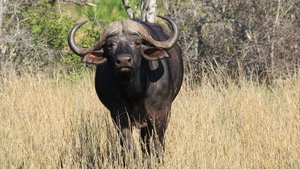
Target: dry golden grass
(55, 122)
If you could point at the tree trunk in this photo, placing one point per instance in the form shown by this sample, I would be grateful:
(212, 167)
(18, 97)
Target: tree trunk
(148, 8)
(128, 9)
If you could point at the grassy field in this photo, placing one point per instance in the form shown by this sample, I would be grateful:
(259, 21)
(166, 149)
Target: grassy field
(53, 122)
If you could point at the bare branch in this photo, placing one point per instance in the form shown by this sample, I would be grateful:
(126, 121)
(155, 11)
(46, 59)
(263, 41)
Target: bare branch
(234, 21)
(128, 9)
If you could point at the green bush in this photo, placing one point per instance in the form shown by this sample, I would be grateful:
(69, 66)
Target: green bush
(106, 11)
(49, 28)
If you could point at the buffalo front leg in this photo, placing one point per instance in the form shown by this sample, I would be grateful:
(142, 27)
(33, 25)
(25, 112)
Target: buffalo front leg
(128, 151)
(160, 129)
(155, 131)
(127, 139)
(159, 138)
(146, 134)
(160, 126)
(125, 133)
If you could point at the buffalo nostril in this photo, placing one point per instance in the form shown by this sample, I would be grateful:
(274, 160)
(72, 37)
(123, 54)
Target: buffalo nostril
(123, 59)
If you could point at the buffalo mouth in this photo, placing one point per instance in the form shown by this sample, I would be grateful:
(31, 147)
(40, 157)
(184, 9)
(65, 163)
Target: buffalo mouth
(124, 73)
(124, 70)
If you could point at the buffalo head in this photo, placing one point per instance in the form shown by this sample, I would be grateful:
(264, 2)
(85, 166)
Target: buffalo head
(123, 44)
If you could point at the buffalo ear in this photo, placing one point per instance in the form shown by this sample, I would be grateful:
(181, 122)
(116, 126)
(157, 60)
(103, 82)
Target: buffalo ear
(154, 53)
(94, 57)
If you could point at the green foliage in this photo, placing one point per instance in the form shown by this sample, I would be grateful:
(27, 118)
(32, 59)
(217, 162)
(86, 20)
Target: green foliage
(106, 11)
(136, 8)
(48, 25)
(50, 30)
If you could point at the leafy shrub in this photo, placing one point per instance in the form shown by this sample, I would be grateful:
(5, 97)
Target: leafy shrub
(106, 11)
(35, 38)
(50, 28)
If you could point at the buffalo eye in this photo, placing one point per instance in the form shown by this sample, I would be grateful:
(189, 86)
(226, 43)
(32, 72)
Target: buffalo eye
(136, 43)
(111, 45)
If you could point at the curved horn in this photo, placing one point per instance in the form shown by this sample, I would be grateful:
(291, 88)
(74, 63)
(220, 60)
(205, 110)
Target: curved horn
(112, 27)
(73, 45)
(166, 44)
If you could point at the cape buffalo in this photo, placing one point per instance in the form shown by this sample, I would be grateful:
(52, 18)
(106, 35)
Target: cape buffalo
(139, 73)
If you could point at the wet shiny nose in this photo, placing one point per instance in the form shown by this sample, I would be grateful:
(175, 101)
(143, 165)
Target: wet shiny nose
(123, 60)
